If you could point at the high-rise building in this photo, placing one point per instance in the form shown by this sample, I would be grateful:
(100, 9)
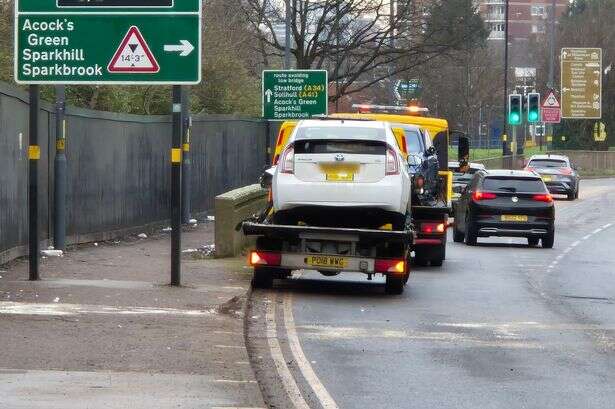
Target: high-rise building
(527, 20)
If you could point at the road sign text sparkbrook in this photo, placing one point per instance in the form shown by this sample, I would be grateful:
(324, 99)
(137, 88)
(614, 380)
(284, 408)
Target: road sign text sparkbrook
(123, 44)
(294, 94)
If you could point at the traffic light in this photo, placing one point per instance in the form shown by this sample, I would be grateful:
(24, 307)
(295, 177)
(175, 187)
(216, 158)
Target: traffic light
(533, 107)
(514, 109)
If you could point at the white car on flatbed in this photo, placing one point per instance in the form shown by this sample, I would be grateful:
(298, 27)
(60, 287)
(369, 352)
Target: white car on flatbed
(342, 164)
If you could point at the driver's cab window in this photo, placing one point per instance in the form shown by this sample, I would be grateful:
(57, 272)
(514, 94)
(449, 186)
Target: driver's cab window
(427, 139)
(414, 139)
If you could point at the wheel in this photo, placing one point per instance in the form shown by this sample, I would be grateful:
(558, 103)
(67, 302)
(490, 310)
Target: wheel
(576, 192)
(571, 195)
(547, 241)
(471, 234)
(438, 255)
(263, 278)
(394, 285)
(532, 241)
(419, 258)
(458, 235)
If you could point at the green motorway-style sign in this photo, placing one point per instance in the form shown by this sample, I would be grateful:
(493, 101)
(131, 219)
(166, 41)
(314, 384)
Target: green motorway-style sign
(108, 41)
(294, 94)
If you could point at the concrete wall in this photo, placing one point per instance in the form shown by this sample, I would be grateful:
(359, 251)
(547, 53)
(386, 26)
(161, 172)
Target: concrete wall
(590, 162)
(118, 168)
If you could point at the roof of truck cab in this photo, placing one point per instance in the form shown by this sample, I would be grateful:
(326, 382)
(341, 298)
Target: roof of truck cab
(320, 123)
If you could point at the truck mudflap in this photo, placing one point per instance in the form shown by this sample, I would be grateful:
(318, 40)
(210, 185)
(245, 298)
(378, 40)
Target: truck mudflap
(291, 232)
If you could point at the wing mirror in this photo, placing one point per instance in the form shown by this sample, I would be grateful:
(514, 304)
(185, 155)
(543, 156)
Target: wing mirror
(430, 151)
(267, 177)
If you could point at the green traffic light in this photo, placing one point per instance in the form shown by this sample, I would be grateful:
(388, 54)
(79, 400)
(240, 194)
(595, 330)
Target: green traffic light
(514, 118)
(533, 116)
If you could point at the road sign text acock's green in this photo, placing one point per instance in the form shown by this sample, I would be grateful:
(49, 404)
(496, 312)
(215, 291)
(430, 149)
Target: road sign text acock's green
(108, 41)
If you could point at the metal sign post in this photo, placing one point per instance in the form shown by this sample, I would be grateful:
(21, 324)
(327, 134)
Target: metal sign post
(127, 42)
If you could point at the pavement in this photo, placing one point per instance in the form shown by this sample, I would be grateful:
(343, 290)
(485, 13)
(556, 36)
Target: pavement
(103, 329)
(500, 325)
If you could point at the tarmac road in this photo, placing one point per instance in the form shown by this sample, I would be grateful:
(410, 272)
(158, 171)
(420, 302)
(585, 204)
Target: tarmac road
(500, 325)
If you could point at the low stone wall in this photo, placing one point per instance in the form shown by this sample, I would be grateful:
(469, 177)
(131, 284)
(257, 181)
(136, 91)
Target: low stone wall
(231, 208)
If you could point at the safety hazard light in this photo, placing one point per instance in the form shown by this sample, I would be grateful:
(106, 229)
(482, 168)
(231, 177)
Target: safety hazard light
(133, 55)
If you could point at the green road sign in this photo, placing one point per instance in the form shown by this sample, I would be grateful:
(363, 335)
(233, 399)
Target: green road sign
(408, 89)
(108, 42)
(294, 94)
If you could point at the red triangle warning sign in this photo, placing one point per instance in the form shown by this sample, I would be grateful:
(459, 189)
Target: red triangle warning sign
(133, 55)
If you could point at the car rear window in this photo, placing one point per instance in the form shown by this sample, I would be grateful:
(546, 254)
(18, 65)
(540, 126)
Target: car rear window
(341, 132)
(340, 146)
(514, 185)
(548, 163)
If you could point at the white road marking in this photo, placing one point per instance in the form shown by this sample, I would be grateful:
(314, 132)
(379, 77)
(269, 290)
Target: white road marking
(319, 389)
(232, 381)
(232, 407)
(598, 230)
(576, 243)
(56, 309)
(606, 226)
(288, 382)
(229, 346)
(586, 237)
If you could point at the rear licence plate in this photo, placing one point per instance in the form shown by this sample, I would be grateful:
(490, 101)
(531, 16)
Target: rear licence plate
(513, 218)
(547, 178)
(326, 261)
(340, 177)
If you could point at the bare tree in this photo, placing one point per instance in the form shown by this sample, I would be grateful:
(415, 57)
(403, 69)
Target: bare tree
(358, 41)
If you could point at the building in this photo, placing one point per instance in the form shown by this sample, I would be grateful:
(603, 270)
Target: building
(527, 20)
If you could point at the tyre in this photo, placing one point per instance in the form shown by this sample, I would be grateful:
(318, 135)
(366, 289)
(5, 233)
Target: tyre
(438, 255)
(571, 195)
(547, 241)
(458, 235)
(532, 241)
(471, 235)
(394, 285)
(420, 259)
(263, 278)
(576, 192)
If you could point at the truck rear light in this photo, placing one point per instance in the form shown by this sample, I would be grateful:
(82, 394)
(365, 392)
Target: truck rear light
(288, 160)
(392, 164)
(433, 228)
(265, 258)
(547, 198)
(478, 196)
(419, 182)
(390, 266)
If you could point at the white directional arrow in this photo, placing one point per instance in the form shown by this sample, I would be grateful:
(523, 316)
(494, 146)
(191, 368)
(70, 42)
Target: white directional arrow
(268, 94)
(185, 48)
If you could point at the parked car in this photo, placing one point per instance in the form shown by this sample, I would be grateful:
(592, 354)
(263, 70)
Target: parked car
(505, 203)
(558, 173)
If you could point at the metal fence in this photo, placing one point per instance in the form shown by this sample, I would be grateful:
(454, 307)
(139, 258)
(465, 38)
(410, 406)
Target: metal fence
(118, 168)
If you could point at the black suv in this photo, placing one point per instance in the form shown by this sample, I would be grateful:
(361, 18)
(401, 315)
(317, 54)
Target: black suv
(505, 203)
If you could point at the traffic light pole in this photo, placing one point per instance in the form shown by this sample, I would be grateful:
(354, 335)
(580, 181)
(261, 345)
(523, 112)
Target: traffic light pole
(505, 127)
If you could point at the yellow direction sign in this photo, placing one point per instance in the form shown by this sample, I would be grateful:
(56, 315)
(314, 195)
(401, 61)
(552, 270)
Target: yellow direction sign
(581, 83)
(600, 132)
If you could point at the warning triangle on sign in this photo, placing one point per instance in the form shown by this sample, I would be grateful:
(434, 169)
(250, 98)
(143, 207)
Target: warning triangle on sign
(133, 55)
(551, 101)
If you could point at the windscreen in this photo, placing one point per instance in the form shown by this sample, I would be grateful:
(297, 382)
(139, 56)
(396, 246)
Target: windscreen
(413, 141)
(513, 185)
(357, 147)
(341, 132)
(548, 163)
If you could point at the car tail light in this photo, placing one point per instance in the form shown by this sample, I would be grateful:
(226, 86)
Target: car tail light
(390, 266)
(392, 164)
(547, 198)
(433, 228)
(478, 196)
(265, 258)
(565, 171)
(419, 182)
(529, 168)
(288, 160)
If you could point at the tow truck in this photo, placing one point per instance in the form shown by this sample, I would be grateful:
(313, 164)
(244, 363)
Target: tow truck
(340, 201)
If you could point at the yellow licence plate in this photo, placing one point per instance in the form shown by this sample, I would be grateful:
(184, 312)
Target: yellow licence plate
(547, 178)
(514, 218)
(327, 261)
(340, 177)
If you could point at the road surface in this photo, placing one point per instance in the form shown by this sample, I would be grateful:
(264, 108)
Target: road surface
(500, 325)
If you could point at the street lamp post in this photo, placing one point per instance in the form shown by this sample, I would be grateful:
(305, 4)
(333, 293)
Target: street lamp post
(505, 127)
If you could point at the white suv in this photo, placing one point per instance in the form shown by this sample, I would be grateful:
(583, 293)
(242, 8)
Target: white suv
(342, 164)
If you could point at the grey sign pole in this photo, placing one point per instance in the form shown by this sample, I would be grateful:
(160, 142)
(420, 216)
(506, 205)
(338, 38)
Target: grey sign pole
(186, 160)
(287, 37)
(59, 193)
(34, 156)
(176, 186)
